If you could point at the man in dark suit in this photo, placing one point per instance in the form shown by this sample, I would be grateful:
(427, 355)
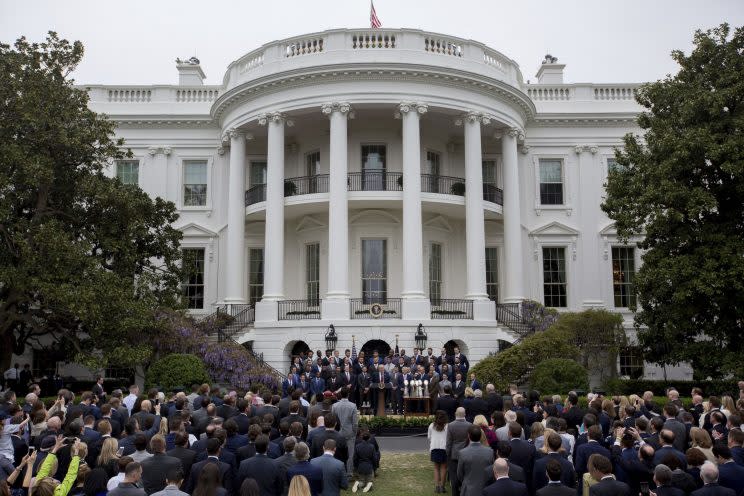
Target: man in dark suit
(516, 473)
(470, 464)
(635, 467)
(286, 461)
(213, 456)
(261, 468)
(592, 446)
(540, 476)
(474, 383)
(457, 438)
(294, 415)
(378, 377)
(330, 432)
(183, 453)
(243, 418)
(572, 413)
(503, 485)
(313, 474)
(334, 472)
(458, 387)
(666, 438)
(600, 468)
(494, 400)
(477, 406)
(523, 452)
(663, 482)
(554, 472)
(155, 467)
(447, 403)
(678, 428)
(711, 487)
(730, 474)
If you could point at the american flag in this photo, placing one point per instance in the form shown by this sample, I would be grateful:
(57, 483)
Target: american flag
(374, 21)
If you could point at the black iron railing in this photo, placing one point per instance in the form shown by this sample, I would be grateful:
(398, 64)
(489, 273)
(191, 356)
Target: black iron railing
(446, 185)
(510, 315)
(307, 185)
(493, 194)
(451, 309)
(255, 194)
(299, 309)
(389, 309)
(375, 181)
(243, 315)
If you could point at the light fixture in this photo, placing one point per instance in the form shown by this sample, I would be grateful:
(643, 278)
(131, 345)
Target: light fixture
(421, 337)
(331, 338)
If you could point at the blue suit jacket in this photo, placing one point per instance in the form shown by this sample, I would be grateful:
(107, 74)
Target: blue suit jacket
(505, 487)
(540, 478)
(731, 475)
(334, 474)
(586, 450)
(313, 474)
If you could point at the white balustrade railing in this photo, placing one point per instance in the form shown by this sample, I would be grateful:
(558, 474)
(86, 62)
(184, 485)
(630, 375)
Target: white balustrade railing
(196, 95)
(443, 46)
(372, 40)
(549, 94)
(304, 47)
(251, 63)
(615, 93)
(493, 59)
(129, 95)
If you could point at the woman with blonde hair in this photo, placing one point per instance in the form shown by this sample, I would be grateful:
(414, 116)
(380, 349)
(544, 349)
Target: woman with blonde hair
(608, 406)
(728, 406)
(700, 439)
(109, 459)
(163, 431)
(299, 486)
(488, 436)
(536, 435)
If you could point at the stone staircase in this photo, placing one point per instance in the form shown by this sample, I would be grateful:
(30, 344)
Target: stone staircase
(510, 315)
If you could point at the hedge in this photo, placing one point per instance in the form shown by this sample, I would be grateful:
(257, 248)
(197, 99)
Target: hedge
(176, 370)
(638, 386)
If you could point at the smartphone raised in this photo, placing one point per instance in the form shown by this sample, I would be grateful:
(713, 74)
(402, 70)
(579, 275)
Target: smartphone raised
(120, 452)
(644, 489)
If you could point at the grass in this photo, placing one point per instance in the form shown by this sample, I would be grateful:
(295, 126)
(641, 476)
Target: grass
(404, 474)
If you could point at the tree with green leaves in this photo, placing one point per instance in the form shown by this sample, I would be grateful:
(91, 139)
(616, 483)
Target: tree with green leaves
(85, 261)
(681, 186)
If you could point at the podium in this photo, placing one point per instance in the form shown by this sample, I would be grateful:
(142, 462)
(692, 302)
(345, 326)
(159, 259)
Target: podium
(380, 392)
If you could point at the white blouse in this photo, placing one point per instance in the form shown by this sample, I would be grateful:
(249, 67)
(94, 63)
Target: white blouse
(437, 439)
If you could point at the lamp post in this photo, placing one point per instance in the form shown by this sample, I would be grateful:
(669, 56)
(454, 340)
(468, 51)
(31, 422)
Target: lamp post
(420, 337)
(331, 338)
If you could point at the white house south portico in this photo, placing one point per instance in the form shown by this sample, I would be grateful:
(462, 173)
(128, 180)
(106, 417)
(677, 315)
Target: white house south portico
(375, 180)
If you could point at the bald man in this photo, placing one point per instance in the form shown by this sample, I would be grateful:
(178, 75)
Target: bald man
(457, 439)
(503, 485)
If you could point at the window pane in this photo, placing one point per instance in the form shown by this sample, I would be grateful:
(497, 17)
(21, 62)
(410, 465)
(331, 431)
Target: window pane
(435, 273)
(128, 171)
(193, 282)
(432, 163)
(312, 274)
(551, 182)
(312, 163)
(631, 362)
(489, 171)
(195, 184)
(255, 274)
(623, 274)
(258, 173)
(374, 271)
(492, 274)
(554, 277)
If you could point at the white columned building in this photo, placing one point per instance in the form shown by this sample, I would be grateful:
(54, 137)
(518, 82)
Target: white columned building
(484, 193)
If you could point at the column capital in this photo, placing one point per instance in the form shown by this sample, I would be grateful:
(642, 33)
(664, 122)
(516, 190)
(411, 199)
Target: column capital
(593, 149)
(473, 117)
(154, 150)
(405, 107)
(340, 107)
(275, 117)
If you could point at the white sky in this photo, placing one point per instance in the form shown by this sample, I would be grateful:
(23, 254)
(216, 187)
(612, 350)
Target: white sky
(137, 42)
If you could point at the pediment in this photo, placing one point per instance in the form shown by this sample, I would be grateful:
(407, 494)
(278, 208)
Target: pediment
(438, 222)
(609, 230)
(374, 217)
(555, 229)
(308, 223)
(193, 229)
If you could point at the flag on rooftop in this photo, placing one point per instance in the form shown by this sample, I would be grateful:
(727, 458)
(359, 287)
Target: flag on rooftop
(374, 21)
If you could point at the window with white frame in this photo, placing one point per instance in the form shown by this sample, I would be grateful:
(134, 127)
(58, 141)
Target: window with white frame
(435, 273)
(623, 275)
(374, 271)
(257, 174)
(489, 172)
(255, 275)
(492, 274)
(127, 171)
(631, 362)
(551, 181)
(554, 277)
(193, 278)
(312, 273)
(195, 183)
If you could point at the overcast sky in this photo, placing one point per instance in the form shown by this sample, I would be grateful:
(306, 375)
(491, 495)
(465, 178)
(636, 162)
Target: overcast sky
(137, 41)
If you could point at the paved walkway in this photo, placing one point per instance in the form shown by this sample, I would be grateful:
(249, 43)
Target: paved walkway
(408, 444)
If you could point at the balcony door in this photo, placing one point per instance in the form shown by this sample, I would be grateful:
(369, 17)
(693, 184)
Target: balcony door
(373, 167)
(312, 169)
(374, 271)
(431, 172)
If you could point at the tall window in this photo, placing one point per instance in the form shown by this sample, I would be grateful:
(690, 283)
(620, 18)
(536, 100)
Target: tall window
(435, 273)
(195, 183)
(255, 274)
(554, 276)
(373, 167)
(312, 273)
(312, 169)
(128, 171)
(623, 274)
(551, 182)
(492, 274)
(430, 182)
(489, 172)
(257, 172)
(631, 362)
(374, 271)
(193, 281)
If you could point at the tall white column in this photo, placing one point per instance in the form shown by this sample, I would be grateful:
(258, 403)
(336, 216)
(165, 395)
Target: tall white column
(513, 284)
(336, 303)
(274, 237)
(234, 285)
(475, 234)
(415, 304)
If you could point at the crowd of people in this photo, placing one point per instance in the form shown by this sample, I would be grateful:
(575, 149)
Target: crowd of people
(301, 442)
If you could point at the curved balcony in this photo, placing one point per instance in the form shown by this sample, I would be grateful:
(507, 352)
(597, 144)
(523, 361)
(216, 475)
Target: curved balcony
(374, 181)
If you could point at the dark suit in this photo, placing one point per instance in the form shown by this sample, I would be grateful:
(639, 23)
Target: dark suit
(665, 451)
(505, 487)
(556, 489)
(264, 470)
(540, 478)
(226, 475)
(458, 390)
(495, 403)
(186, 456)
(523, 454)
(609, 487)
(714, 490)
(342, 450)
(669, 491)
(731, 475)
(516, 473)
(586, 450)
(477, 406)
(457, 439)
(634, 470)
(245, 452)
(154, 470)
(448, 404)
(313, 474)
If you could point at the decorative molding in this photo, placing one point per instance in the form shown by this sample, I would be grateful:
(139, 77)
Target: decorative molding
(405, 107)
(573, 247)
(472, 116)
(341, 107)
(275, 117)
(221, 150)
(525, 149)
(154, 150)
(593, 149)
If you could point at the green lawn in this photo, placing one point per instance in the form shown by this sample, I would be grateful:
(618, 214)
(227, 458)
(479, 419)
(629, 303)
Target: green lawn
(403, 474)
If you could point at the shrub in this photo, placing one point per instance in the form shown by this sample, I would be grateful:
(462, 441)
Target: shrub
(559, 375)
(638, 386)
(176, 370)
(458, 189)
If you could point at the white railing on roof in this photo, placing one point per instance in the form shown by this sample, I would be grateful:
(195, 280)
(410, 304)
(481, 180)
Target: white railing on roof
(495, 59)
(550, 93)
(615, 93)
(443, 45)
(196, 95)
(304, 46)
(373, 40)
(129, 95)
(251, 63)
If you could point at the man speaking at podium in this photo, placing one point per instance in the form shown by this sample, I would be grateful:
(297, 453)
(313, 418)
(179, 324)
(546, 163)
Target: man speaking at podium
(380, 380)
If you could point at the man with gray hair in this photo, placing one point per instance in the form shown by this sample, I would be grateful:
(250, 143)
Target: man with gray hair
(709, 474)
(663, 481)
(313, 474)
(503, 432)
(477, 406)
